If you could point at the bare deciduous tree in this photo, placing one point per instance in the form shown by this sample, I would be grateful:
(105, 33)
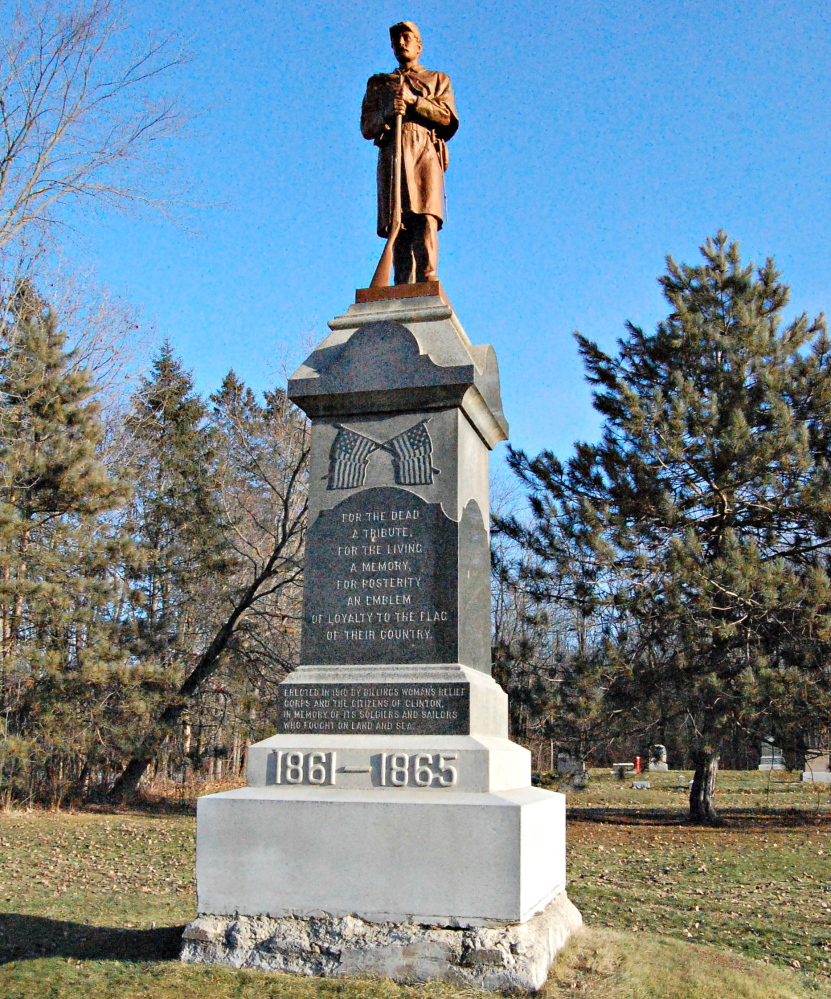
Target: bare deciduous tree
(78, 113)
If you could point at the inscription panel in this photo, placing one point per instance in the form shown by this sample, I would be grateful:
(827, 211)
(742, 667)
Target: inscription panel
(432, 769)
(374, 708)
(381, 582)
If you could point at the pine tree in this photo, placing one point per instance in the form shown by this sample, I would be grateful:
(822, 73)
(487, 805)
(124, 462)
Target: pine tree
(174, 514)
(703, 516)
(177, 525)
(221, 504)
(59, 648)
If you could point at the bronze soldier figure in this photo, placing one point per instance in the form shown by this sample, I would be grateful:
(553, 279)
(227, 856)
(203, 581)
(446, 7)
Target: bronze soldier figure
(425, 100)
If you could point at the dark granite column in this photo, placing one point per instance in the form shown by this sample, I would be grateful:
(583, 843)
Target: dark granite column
(404, 412)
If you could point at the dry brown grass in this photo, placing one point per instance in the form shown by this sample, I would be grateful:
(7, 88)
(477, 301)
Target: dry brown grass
(604, 964)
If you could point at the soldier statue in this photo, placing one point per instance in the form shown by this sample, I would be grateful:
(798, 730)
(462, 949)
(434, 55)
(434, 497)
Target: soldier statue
(410, 115)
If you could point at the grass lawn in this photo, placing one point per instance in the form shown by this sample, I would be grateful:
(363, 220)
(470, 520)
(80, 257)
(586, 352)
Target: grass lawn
(759, 885)
(92, 905)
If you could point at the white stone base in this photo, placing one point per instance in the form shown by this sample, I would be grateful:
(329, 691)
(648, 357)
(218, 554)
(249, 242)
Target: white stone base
(508, 958)
(816, 776)
(399, 855)
(479, 763)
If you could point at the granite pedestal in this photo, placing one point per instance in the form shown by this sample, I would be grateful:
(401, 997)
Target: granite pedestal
(389, 827)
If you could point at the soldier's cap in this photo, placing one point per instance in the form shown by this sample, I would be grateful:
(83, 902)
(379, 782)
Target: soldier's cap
(403, 26)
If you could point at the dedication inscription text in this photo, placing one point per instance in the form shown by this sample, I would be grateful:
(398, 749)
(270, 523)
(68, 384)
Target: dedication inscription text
(380, 582)
(398, 708)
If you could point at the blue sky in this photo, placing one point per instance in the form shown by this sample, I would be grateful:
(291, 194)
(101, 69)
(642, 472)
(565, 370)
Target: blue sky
(595, 138)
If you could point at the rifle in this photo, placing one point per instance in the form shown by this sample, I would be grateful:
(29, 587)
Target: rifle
(383, 272)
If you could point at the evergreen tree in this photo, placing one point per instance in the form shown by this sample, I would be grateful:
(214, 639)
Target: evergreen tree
(221, 503)
(702, 518)
(178, 527)
(59, 649)
(174, 515)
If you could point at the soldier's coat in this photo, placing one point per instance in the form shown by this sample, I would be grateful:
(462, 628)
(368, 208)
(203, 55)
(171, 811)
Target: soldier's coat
(428, 124)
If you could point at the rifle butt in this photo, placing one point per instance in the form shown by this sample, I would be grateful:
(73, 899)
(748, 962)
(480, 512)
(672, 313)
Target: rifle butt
(382, 278)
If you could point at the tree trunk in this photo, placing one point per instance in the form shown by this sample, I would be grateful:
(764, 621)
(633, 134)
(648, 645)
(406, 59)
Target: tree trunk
(187, 734)
(702, 792)
(127, 783)
(287, 539)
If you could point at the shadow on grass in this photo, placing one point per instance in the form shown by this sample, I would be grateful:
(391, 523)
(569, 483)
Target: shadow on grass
(734, 818)
(27, 937)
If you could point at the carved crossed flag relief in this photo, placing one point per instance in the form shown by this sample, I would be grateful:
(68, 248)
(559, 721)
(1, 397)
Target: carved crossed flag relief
(411, 452)
(348, 459)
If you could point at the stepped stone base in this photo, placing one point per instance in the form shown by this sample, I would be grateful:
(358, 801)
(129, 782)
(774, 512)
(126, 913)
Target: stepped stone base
(509, 958)
(432, 856)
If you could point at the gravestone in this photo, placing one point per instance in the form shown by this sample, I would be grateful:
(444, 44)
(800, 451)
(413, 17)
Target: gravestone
(817, 767)
(658, 757)
(569, 765)
(389, 827)
(772, 757)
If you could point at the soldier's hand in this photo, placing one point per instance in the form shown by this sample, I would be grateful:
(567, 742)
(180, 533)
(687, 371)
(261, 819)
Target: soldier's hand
(403, 98)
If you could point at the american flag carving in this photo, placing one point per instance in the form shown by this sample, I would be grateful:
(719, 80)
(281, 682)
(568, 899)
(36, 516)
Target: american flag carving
(348, 458)
(411, 452)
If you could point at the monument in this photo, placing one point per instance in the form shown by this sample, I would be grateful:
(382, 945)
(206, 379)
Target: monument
(817, 766)
(658, 757)
(772, 757)
(410, 115)
(389, 828)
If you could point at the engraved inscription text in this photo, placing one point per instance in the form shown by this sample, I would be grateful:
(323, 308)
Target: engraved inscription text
(400, 708)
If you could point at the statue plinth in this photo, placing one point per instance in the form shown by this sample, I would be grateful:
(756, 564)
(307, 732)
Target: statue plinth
(424, 289)
(390, 816)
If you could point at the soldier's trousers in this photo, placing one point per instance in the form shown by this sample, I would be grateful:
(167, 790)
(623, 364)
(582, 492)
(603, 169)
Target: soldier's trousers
(415, 254)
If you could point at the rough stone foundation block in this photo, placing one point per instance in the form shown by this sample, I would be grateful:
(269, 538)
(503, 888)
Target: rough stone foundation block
(450, 858)
(510, 958)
